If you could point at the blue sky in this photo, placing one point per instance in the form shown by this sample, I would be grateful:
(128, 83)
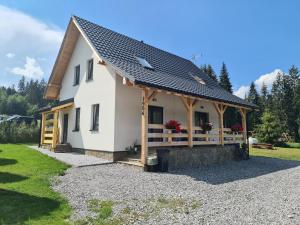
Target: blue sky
(253, 38)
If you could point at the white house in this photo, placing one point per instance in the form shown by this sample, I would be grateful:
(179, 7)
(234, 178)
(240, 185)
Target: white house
(114, 91)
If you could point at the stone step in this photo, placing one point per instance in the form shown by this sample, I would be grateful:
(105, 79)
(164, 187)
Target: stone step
(61, 148)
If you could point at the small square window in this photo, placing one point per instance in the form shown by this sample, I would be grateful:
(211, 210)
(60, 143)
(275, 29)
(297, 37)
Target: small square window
(76, 75)
(90, 66)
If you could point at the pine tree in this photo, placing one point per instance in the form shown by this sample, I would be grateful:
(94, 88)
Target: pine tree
(224, 79)
(294, 74)
(254, 117)
(207, 69)
(21, 86)
(264, 97)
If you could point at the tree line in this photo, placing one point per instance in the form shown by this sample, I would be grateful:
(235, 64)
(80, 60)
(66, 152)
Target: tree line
(278, 113)
(26, 99)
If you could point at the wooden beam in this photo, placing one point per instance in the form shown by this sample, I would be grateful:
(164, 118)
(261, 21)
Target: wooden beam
(43, 128)
(55, 129)
(64, 106)
(154, 93)
(144, 127)
(190, 122)
(184, 101)
(244, 123)
(194, 103)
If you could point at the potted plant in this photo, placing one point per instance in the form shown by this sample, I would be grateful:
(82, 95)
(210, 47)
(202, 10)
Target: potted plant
(173, 125)
(237, 128)
(207, 127)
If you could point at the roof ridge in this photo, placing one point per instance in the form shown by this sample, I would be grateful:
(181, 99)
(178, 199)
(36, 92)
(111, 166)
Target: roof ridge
(131, 38)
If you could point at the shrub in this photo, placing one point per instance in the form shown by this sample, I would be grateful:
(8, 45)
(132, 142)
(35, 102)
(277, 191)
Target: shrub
(269, 130)
(19, 133)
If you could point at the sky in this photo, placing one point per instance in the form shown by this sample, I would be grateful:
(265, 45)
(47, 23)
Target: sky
(257, 39)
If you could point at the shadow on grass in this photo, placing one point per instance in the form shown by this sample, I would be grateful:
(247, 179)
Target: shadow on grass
(17, 208)
(10, 178)
(233, 170)
(4, 162)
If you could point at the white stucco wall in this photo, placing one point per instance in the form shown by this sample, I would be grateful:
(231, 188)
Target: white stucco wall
(128, 113)
(101, 90)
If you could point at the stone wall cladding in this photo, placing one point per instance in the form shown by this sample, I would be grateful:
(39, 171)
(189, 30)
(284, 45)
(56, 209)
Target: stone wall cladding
(111, 156)
(198, 156)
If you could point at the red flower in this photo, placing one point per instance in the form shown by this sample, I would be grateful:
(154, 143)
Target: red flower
(237, 128)
(173, 125)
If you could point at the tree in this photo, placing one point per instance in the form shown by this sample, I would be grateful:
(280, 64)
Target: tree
(209, 71)
(294, 74)
(253, 97)
(21, 85)
(269, 130)
(224, 79)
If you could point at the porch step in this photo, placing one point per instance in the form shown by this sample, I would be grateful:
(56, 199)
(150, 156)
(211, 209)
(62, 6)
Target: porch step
(61, 148)
(131, 161)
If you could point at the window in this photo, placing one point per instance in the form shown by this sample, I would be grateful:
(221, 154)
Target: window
(155, 115)
(197, 78)
(95, 117)
(77, 119)
(76, 75)
(90, 66)
(201, 118)
(144, 63)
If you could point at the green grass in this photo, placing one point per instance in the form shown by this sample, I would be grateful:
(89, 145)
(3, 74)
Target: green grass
(25, 193)
(278, 152)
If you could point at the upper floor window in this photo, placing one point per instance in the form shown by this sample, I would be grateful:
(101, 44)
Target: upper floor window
(201, 118)
(77, 119)
(90, 66)
(76, 75)
(95, 117)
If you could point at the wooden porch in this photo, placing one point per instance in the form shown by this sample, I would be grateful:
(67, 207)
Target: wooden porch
(156, 135)
(50, 131)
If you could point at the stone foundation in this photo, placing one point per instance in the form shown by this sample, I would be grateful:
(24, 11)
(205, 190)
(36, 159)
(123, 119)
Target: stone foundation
(111, 156)
(198, 156)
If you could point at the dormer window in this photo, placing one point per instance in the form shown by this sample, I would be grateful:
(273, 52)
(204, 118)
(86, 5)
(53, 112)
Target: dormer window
(145, 63)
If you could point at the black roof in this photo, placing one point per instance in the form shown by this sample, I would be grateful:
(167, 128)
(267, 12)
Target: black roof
(171, 72)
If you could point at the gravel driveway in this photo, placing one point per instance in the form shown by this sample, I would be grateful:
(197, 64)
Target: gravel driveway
(257, 191)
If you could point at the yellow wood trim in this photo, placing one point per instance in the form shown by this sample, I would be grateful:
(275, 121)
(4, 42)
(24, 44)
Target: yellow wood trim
(55, 127)
(154, 93)
(144, 127)
(184, 101)
(64, 106)
(42, 128)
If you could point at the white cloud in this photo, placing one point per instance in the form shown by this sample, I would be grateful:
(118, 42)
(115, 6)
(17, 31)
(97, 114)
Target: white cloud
(266, 79)
(23, 35)
(10, 55)
(242, 91)
(31, 69)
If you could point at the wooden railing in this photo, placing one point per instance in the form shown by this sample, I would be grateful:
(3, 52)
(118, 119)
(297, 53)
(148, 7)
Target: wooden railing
(158, 135)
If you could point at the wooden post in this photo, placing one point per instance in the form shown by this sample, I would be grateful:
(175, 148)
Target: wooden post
(144, 127)
(189, 105)
(220, 110)
(43, 128)
(244, 123)
(55, 129)
(190, 122)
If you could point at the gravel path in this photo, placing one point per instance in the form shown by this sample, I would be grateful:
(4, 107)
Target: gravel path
(73, 158)
(257, 191)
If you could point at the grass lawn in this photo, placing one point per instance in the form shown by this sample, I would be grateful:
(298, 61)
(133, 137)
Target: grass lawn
(25, 193)
(280, 153)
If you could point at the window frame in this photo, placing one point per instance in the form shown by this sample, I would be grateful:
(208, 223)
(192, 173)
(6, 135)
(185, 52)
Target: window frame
(199, 113)
(95, 117)
(77, 119)
(150, 114)
(90, 75)
(76, 79)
